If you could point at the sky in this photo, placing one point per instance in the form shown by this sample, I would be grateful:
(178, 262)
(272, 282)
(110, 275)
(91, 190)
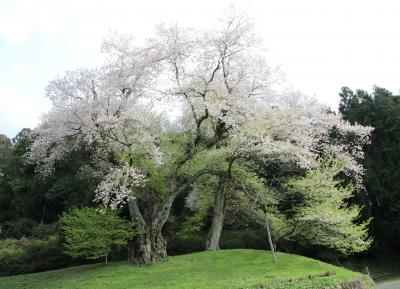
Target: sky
(320, 45)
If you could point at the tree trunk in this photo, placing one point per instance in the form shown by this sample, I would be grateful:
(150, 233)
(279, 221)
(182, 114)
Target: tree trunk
(149, 247)
(271, 244)
(43, 213)
(218, 217)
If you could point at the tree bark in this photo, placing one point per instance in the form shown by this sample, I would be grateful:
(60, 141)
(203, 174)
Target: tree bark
(218, 216)
(149, 247)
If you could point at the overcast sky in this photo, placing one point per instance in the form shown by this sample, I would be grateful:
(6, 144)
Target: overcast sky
(320, 45)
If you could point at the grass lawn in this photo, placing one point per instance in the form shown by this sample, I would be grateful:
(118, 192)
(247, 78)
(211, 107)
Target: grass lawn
(221, 269)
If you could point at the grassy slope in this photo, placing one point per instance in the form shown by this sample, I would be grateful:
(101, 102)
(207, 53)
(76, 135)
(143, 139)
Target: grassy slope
(221, 269)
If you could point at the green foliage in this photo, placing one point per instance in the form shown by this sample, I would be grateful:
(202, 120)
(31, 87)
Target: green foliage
(244, 239)
(17, 229)
(230, 239)
(199, 202)
(25, 195)
(321, 216)
(252, 202)
(193, 222)
(204, 270)
(92, 232)
(186, 243)
(44, 231)
(24, 227)
(31, 255)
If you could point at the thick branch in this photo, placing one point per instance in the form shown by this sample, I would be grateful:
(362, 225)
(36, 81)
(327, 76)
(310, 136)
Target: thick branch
(135, 213)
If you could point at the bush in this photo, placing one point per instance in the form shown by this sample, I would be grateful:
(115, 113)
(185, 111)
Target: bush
(44, 231)
(184, 244)
(17, 229)
(92, 232)
(31, 255)
(244, 239)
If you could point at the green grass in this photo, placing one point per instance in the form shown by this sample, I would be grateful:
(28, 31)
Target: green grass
(221, 269)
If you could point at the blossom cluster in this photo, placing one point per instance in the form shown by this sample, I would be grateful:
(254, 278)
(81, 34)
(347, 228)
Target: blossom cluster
(119, 185)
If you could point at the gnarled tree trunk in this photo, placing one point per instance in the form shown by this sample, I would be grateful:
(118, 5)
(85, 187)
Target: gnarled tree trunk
(150, 246)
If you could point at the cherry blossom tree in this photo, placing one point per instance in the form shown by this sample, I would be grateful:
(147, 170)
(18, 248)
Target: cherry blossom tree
(223, 88)
(214, 76)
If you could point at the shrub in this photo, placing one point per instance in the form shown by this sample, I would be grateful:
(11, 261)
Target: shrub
(17, 229)
(246, 239)
(195, 242)
(184, 244)
(31, 255)
(92, 232)
(43, 231)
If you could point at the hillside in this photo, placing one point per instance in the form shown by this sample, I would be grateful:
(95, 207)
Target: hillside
(221, 269)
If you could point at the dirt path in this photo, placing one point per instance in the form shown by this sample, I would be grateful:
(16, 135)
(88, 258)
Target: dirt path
(394, 284)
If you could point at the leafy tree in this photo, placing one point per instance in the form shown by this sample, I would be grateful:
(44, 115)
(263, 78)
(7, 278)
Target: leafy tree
(93, 232)
(321, 215)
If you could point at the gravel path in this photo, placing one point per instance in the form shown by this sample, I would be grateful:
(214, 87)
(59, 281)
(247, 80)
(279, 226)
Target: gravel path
(394, 284)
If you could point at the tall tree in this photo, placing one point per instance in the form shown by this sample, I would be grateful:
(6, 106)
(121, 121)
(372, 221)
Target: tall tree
(216, 77)
(381, 110)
